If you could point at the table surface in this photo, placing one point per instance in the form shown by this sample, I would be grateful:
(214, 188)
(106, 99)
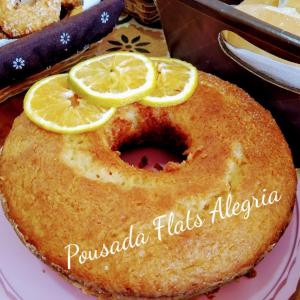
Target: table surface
(128, 35)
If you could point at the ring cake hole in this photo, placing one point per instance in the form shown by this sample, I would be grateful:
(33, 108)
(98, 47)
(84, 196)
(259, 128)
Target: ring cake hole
(153, 150)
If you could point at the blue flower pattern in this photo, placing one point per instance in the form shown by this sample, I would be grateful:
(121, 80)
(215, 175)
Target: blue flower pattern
(104, 17)
(65, 38)
(18, 63)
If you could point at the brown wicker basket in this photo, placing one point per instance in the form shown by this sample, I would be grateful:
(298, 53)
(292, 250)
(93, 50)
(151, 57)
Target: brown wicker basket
(143, 10)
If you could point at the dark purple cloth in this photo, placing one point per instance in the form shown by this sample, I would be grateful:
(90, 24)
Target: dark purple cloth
(42, 49)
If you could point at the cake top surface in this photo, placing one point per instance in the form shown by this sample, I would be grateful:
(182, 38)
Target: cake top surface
(67, 190)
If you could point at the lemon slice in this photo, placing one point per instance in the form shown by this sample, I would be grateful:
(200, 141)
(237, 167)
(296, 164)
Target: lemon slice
(176, 82)
(114, 79)
(52, 105)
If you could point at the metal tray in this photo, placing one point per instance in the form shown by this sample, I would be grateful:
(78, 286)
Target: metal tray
(195, 35)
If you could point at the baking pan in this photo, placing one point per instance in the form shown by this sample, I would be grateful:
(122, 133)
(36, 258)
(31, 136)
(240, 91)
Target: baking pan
(195, 35)
(40, 50)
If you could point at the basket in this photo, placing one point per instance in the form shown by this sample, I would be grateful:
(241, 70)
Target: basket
(143, 10)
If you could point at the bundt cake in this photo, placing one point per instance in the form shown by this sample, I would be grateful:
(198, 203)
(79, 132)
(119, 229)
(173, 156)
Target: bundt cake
(120, 232)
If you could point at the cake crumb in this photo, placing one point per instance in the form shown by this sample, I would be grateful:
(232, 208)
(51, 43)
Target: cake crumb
(143, 162)
(158, 167)
(203, 155)
(251, 274)
(172, 166)
(123, 218)
(192, 155)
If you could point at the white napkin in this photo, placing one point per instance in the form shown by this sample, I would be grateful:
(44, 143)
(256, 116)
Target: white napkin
(89, 3)
(6, 41)
(284, 73)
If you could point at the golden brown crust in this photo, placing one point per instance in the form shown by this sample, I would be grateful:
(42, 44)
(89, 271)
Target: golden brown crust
(71, 3)
(19, 19)
(75, 189)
